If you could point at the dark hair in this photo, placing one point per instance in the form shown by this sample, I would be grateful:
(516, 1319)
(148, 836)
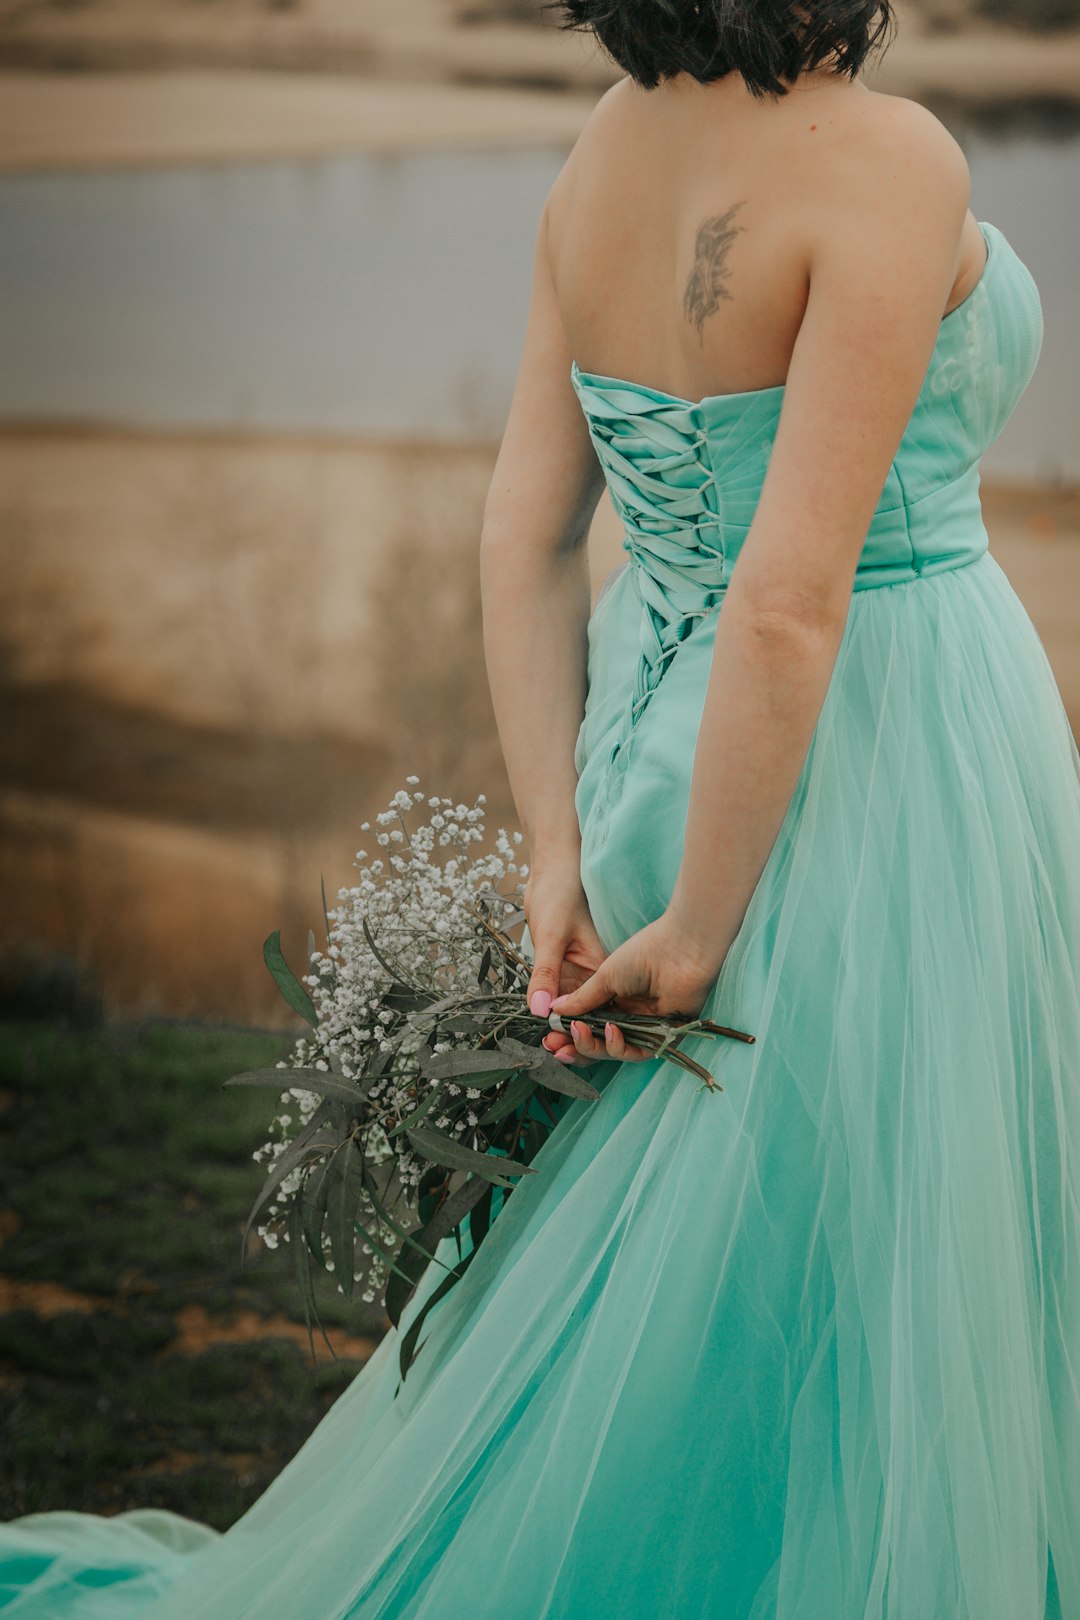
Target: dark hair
(766, 41)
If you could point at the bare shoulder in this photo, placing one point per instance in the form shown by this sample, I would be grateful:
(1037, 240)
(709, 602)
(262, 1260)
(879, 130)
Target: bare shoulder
(896, 144)
(587, 154)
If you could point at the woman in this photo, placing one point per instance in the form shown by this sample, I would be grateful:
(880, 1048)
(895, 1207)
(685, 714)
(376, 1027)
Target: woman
(806, 1348)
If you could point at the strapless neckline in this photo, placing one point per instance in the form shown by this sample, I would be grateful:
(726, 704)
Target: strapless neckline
(989, 232)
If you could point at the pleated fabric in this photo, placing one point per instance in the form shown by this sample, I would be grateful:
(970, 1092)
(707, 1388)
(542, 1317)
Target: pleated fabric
(807, 1348)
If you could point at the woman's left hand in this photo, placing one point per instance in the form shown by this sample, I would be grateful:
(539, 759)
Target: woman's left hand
(655, 971)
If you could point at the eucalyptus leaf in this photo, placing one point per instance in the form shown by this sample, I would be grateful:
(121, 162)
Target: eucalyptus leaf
(480, 1217)
(346, 1185)
(302, 1273)
(547, 1069)
(434, 1008)
(322, 1084)
(315, 1138)
(450, 1065)
(463, 1024)
(301, 1267)
(420, 1113)
(413, 1260)
(458, 1004)
(430, 1143)
(285, 979)
(410, 1238)
(315, 1191)
(517, 1092)
(384, 1254)
(376, 953)
(512, 919)
(403, 998)
(409, 1347)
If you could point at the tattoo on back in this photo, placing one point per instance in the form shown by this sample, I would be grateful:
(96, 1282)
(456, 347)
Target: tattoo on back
(706, 284)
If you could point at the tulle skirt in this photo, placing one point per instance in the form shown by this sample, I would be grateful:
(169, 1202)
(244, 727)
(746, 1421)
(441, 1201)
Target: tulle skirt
(804, 1349)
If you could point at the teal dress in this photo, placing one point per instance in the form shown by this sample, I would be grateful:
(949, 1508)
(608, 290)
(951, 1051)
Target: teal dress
(808, 1348)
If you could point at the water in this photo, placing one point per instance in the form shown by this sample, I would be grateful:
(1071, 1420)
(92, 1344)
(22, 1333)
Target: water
(384, 295)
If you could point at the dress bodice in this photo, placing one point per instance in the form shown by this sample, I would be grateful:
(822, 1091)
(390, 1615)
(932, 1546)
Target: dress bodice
(685, 477)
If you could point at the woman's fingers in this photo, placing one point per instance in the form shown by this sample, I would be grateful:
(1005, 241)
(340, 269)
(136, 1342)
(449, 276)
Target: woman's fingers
(593, 993)
(621, 1049)
(585, 1043)
(545, 976)
(616, 1041)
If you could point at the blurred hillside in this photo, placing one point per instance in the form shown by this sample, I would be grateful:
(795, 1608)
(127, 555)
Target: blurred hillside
(487, 42)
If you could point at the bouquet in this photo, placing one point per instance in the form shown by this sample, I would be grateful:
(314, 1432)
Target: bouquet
(420, 1094)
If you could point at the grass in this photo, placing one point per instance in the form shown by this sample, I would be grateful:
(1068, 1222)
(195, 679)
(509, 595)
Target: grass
(127, 1176)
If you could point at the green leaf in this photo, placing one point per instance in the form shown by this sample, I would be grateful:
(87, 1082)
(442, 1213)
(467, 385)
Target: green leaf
(480, 1218)
(409, 1346)
(430, 1143)
(517, 1092)
(323, 1085)
(412, 1260)
(401, 1232)
(372, 1240)
(302, 1274)
(485, 967)
(316, 1190)
(394, 972)
(301, 1266)
(463, 1062)
(547, 1069)
(346, 1184)
(286, 980)
(434, 1008)
(316, 1139)
(417, 1115)
(458, 1003)
(403, 998)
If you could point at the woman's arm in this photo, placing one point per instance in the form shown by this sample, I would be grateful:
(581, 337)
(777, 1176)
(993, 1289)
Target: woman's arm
(536, 601)
(535, 576)
(882, 262)
(863, 349)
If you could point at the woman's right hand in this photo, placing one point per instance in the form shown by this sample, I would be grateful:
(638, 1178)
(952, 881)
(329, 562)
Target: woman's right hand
(567, 950)
(567, 953)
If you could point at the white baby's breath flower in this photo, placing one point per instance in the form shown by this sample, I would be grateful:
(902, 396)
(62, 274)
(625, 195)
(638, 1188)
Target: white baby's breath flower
(416, 902)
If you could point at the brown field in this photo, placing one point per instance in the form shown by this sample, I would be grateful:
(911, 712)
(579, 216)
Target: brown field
(220, 654)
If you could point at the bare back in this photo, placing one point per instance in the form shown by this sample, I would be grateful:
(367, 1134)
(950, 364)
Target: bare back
(680, 228)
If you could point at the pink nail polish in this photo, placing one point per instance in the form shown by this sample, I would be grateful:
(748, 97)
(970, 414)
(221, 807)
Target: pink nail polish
(540, 1003)
(609, 1032)
(565, 1054)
